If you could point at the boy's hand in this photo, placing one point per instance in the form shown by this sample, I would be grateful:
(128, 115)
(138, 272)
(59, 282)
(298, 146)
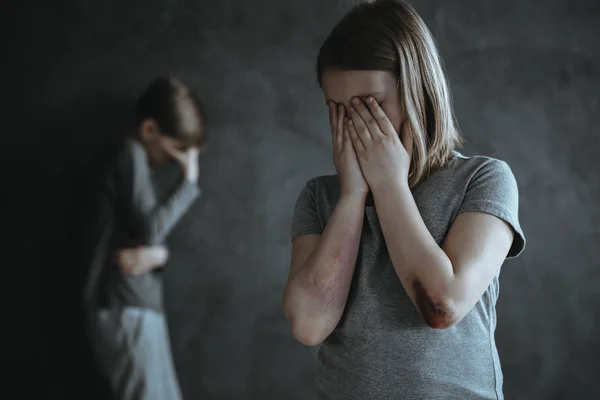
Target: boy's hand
(139, 260)
(188, 160)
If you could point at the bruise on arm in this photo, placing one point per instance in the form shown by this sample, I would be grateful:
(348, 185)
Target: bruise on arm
(326, 277)
(325, 273)
(436, 314)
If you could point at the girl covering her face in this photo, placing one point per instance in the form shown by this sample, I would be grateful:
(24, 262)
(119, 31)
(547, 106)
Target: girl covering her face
(396, 258)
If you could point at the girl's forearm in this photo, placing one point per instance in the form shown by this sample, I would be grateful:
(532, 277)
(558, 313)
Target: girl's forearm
(316, 296)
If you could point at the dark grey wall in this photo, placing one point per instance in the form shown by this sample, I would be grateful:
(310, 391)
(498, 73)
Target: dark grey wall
(526, 80)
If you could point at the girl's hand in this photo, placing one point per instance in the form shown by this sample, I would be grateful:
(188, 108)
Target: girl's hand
(381, 153)
(351, 177)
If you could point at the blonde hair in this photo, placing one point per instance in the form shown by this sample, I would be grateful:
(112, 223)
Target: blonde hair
(389, 35)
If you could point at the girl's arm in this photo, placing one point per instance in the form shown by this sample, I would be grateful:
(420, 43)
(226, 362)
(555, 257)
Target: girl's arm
(446, 282)
(322, 266)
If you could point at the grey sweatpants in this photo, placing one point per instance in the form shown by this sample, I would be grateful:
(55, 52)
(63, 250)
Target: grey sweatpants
(133, 351)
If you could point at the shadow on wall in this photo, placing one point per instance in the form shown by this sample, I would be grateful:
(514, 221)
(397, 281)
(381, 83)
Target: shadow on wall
(21, 253)
(78, 142)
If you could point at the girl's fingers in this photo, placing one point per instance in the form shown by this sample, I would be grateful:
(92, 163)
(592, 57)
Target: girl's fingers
(332, 118)
(351, 129)
(341, 115)
(380, 119)
(360, 125)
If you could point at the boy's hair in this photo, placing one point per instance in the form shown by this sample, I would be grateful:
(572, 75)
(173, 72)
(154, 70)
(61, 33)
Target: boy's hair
(389, 35)
(176, 110)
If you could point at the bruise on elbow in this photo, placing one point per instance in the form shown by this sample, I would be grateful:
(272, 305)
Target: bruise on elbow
(436, 314)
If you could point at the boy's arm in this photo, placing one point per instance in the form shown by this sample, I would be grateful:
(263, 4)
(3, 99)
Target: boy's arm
(154, 221)
(139, 260)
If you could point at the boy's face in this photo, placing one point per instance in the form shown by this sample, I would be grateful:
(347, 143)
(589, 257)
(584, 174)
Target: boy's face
(157, 145)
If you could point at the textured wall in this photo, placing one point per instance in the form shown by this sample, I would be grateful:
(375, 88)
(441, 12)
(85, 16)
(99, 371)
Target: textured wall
(526, 82)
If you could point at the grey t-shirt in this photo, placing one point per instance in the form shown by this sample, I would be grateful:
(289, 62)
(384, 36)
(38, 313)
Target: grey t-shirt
(382, 348)
(130, 215)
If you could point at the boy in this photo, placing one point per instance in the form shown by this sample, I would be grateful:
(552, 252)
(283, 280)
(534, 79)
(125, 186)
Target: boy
(123, 293)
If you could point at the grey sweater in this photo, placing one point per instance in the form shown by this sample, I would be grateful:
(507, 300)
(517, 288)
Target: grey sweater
(129, 214)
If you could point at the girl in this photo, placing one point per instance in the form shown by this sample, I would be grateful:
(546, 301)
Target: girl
(395, 260)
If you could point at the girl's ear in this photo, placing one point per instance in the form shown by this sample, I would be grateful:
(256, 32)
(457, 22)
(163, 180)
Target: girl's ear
(149, 130)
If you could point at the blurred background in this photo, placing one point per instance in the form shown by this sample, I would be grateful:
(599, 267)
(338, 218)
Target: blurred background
(526, 82)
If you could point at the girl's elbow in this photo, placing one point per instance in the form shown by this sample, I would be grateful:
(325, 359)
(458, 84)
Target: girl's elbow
(435, 321)
(438, 310)
(308, 325)
(306, 333)
(445, 315)
(304, 328)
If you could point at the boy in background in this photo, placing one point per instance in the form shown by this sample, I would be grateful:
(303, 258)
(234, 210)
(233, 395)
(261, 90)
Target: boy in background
(123, 292)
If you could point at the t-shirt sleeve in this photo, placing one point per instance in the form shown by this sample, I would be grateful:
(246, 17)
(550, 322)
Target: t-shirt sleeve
(306, 218)
(493, 190)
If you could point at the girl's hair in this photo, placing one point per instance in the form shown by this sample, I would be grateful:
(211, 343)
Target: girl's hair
(389, 35)
(176, 110)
